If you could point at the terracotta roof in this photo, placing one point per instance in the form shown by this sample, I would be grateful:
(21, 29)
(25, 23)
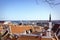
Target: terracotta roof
(19, 29)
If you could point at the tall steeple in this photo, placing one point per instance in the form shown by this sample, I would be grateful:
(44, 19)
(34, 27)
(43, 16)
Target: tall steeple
(50, 26)
(50, 18)
(50, 23)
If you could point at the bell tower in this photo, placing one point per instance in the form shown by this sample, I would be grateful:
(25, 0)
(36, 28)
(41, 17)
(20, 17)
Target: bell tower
(50, 22)
(50, 27)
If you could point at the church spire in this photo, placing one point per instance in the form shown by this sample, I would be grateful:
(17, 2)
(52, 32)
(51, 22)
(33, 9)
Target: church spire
(50, 18)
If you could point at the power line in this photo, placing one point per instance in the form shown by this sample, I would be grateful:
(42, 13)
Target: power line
(51, 3)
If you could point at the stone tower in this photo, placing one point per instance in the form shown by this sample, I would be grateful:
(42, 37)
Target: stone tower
(50, 22)
(50, 26)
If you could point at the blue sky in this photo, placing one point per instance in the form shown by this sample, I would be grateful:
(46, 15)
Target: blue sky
(27, 10)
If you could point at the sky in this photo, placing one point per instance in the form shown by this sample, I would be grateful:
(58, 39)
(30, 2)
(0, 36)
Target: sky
(28, 10)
